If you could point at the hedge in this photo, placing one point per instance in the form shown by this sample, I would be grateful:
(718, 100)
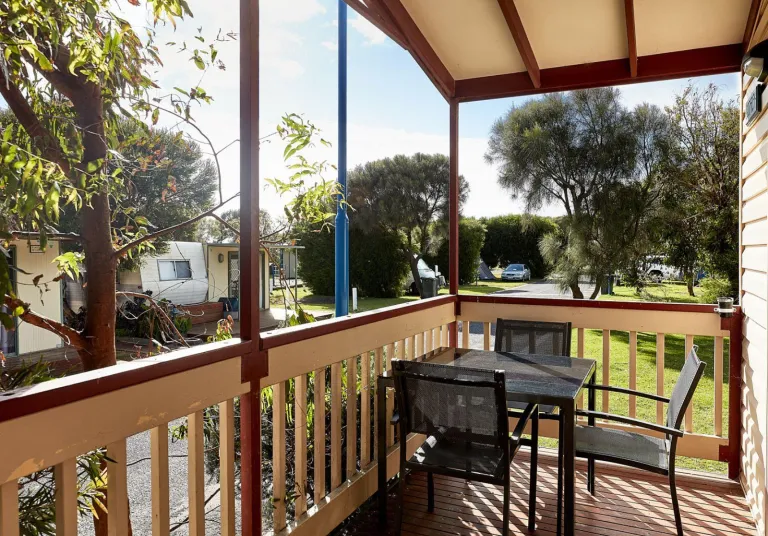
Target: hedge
(377, 263)
(471, 238)
(515, 238)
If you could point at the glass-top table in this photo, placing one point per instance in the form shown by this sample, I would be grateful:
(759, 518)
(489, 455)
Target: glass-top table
(540, 379)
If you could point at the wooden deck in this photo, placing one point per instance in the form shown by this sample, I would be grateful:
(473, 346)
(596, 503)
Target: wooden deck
(628, 503)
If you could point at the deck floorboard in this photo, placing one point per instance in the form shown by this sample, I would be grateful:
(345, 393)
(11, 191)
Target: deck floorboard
(628, 503)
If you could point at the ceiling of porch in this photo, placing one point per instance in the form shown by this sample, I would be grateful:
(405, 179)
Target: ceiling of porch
(475, 49)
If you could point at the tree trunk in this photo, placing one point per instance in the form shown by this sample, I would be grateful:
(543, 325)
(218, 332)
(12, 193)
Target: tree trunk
(689, 283)
(598, 283)
(100, 259)
(576, 291)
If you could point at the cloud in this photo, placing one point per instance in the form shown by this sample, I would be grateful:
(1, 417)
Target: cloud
(372, 35)
(330, 45)
(293, 11)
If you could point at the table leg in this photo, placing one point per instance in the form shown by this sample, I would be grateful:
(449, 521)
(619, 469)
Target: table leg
(591, 422)
(381, 455)
(569, 465)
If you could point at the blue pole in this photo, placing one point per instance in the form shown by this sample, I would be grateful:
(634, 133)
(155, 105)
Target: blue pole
(342, 221)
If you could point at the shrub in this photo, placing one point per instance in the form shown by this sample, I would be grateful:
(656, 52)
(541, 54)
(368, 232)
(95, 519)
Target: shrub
(713, 288)
(377, 263)
(182, 323)
(471, 239)
(516, 238)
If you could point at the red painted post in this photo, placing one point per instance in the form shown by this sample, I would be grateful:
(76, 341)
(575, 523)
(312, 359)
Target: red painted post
(734, 394)
(254, 364)
(453, 212)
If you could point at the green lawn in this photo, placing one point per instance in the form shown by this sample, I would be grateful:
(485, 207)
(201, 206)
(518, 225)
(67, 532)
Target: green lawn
(656, 292)
(310, 302)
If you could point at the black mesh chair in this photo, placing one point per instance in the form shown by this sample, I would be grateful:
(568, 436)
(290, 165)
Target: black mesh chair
(655, 454)
(463, 414)
(531, 337)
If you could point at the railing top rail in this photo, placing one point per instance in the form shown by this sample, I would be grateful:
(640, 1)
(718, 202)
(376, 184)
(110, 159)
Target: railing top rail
(593, 304)
(282, 337)
(47, 395)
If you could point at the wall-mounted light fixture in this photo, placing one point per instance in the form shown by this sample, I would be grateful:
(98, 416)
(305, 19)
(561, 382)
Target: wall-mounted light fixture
(221, 257)
(755, 64)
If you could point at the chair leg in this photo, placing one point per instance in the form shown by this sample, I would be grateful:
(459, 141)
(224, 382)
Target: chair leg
(675, 505)
(591, 475)
(505, 509)
(430, 493)
(560, 477)
(534, 471)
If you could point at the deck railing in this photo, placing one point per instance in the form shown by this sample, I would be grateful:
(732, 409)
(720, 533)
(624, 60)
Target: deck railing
(318, 383)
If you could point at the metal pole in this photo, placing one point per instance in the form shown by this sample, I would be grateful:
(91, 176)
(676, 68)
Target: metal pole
(342, 221)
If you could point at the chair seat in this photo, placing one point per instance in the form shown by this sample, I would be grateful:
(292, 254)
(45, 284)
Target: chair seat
(440, 453)
(516, 409)
(629, 447)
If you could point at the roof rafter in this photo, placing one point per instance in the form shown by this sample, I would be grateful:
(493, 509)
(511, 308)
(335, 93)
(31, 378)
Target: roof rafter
(682, 64)
(418, 45)
(517, 30)
(370, 12)
(749, 28)
(629, 15)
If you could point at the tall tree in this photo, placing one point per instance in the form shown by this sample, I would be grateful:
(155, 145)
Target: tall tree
(603, 164)
(707, 128)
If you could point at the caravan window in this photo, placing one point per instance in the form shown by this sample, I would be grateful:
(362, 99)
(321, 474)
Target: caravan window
(170, 270)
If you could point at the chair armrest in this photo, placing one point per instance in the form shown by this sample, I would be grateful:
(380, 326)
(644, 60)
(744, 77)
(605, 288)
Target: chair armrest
(395, 419)
(517, 433)
(626, 391)
(629, 420)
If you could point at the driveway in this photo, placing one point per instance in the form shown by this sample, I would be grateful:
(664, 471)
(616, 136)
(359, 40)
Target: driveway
(545, 289)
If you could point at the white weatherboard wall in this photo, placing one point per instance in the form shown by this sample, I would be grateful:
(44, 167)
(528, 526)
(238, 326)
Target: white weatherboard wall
(754, 300)
(49, 304)
(180, 291)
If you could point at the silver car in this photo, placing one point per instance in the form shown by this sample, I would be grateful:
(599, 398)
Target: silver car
(516, 272)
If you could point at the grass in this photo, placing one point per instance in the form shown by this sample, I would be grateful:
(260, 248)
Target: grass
(656, 292)
(313, 303)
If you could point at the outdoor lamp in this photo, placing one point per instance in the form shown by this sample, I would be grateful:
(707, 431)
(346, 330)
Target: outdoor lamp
(221, 257)
(755, 67)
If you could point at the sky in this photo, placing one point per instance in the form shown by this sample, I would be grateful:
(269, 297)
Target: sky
(393, 108)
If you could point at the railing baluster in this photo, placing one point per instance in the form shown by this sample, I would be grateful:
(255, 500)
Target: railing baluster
(377, 370)
(719, 386)
(486, 336)
(659, 376)
(196, 474)
(365, 410)
(390, 396)
(278, 455)
(9, 508)
(226, 466)
(446, 334)
(351, 417)
(65, 475)
(633, 372)
(465, 334)
(606, 367)
(412, 348)
(300, 448)
(319, 443)
(580, 353)
(430, 344)
(161, 507)
(419, 344)
(689, 410)
(335, 426)
(117, 489)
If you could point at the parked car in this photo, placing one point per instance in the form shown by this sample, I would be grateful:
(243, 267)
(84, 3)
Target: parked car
(516, 272)
(425, 272)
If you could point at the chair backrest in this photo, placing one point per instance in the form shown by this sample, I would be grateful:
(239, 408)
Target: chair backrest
(457, 403)
(531, 337)
(684, 388)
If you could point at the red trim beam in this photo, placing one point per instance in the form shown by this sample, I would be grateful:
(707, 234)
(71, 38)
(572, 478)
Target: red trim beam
(683, 64)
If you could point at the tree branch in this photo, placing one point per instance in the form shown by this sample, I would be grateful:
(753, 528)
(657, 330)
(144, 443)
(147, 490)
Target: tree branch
(225, 224)
(28, 119)
(162, 232)
(70, 336)
(156, 307)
